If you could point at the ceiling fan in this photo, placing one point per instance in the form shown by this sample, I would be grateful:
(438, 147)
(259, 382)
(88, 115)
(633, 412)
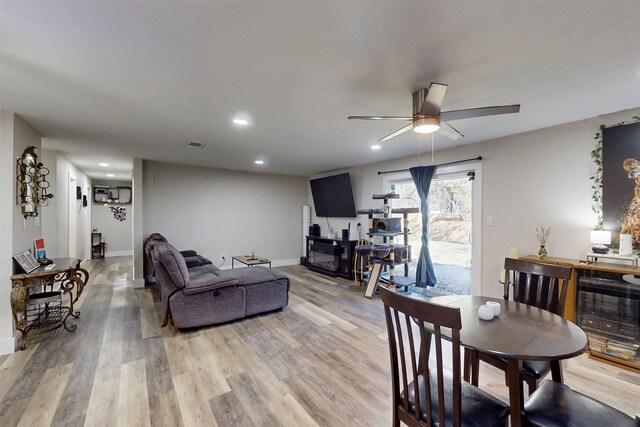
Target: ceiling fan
(427, 117)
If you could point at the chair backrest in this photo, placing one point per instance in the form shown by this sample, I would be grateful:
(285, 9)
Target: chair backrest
(540, 285)
(403, 315)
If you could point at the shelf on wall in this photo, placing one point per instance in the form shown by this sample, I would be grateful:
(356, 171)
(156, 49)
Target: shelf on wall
(111, 195)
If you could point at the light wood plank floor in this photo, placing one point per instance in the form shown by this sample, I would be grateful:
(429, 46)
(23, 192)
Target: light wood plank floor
(322, 361)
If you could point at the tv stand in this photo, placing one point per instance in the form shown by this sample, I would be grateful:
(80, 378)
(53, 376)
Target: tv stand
(333, 257)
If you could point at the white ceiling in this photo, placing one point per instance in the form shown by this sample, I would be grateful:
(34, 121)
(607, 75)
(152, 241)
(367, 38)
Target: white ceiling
(141, 79)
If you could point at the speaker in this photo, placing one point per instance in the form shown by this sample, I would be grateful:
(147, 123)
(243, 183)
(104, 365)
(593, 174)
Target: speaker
(345, 234)
(625, 245)
(314, 230)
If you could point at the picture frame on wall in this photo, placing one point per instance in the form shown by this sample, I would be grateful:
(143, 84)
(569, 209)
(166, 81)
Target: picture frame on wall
(26, 261)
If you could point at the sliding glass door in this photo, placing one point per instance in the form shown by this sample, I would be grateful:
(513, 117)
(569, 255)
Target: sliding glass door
(451, 226)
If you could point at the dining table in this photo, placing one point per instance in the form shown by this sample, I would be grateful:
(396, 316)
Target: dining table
(520, 332)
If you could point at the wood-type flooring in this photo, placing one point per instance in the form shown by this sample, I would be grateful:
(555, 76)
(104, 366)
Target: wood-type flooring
(322, 361)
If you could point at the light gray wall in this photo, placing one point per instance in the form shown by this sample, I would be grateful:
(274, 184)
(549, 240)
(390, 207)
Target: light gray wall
(25, 231)
(50, 213)
(15, 235)
(7, 202)
(117, 234)
(217, 211)
(532, 179)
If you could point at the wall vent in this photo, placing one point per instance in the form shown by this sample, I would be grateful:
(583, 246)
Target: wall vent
(194, 144)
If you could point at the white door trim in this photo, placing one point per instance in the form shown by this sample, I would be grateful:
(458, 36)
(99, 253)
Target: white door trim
(476, 212)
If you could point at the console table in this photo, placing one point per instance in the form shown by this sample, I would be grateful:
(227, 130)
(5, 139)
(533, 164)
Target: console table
(45, 287)
(604, 299)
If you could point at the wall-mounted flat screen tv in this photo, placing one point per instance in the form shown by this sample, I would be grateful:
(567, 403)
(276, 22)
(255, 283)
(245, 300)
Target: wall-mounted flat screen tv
(332, 196)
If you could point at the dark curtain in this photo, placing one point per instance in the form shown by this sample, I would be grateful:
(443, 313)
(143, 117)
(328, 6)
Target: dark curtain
(422, 175)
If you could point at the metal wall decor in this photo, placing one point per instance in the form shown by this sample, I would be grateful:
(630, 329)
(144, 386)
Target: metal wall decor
(119, 213)
(32, 191)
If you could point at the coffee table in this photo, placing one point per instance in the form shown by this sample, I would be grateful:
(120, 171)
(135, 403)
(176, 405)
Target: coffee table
(250, 260)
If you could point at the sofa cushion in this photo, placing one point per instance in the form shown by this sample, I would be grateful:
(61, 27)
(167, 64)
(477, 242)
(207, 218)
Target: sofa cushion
(196, 260)
(173, 262)
(202, 269)
(208, 282)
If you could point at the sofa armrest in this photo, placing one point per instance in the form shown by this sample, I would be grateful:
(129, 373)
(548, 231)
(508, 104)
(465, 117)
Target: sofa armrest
(208, 282)
(188, 253)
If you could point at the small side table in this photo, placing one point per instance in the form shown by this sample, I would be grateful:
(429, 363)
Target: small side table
(97, 246)
(65, 278)
(250, 260)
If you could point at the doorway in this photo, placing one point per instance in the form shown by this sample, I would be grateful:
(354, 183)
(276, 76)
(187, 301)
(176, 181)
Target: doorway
(454, 225)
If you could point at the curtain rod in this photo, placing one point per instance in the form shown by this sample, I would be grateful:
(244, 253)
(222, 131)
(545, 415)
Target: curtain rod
(441, 164)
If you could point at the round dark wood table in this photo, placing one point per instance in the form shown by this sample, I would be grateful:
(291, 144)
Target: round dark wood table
(520, 332)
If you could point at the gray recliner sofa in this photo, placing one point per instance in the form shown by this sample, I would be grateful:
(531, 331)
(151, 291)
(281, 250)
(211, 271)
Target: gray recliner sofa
(205, 295)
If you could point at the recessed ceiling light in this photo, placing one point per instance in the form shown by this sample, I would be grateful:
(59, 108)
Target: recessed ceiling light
(376, 147)
(110, 175)
(259, 162)
(241, 122)
(103, 164)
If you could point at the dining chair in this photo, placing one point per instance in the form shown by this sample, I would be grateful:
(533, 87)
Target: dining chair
(540, 285)
(424, 395)
(556, 405)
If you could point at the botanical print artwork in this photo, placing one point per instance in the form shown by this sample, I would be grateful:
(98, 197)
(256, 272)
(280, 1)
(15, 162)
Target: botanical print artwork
(631, 222)
(621, 180)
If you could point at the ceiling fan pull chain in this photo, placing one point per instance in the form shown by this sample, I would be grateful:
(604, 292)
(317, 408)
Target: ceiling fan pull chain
(432, 145)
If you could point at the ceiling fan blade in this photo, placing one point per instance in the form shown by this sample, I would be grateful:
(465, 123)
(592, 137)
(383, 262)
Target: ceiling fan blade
(396, 133)
(449, 131)
(479, 112)
(379, 118)
(433, 101)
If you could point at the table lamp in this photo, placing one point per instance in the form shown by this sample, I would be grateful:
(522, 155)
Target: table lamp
(600, 238)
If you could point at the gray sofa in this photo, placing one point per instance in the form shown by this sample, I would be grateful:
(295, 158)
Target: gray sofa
(204, 295)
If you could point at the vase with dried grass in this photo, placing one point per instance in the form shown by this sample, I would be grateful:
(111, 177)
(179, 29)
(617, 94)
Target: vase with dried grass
(542, 235)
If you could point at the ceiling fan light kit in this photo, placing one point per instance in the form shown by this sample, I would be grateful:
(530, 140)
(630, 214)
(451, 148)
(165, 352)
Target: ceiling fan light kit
(428, 118)
(426, 125)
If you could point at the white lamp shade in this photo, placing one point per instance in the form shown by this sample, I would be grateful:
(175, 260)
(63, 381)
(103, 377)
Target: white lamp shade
(600, 237)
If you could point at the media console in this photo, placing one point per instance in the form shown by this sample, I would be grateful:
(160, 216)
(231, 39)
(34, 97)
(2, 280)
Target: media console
(331, 256)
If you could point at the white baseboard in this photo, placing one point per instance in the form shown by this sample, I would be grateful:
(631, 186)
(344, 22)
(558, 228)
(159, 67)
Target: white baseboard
(283, 262)
(138, 283)
(7, 345)
(118, 253)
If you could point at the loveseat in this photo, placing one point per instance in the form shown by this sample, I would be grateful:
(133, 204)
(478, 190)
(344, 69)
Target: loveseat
(204, 295)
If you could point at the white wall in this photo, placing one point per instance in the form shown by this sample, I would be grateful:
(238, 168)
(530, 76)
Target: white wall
(49, 214)
(532, 179)
(117, 234)
(15, 136)
(217, 211)
(65, 168)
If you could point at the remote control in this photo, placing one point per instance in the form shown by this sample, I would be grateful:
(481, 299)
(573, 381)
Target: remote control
(50, 267)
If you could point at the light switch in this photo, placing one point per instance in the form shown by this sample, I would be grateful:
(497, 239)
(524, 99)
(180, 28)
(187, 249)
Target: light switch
(489, 220)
